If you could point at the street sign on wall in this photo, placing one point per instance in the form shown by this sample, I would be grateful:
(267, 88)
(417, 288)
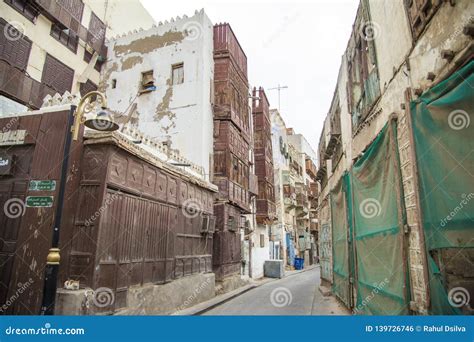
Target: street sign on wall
(42, 185)
(39, 201)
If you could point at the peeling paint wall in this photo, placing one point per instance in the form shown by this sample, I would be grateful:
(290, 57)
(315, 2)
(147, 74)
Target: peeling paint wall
(401, 64)
(179, 114)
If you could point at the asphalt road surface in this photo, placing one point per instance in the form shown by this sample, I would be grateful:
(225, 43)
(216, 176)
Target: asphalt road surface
(296, 294)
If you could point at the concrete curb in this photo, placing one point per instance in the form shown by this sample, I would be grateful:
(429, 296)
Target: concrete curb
(203, 307)
(216, 301)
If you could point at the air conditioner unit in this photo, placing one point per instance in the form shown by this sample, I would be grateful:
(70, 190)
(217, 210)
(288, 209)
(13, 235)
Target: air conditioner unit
(208, 224)
(248, 227)
(232, 225)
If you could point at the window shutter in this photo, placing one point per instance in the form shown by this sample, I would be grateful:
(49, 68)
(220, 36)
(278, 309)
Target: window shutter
(15, 52)
(57, 75)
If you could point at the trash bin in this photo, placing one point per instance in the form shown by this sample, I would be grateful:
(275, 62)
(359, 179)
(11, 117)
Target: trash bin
(299, 263)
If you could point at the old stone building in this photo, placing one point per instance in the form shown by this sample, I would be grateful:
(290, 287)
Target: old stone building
(295, 227)
(390, 159)
(184, 83)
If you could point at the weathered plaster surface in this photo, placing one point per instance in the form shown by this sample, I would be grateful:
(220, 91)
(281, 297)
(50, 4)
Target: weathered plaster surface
(178, 114)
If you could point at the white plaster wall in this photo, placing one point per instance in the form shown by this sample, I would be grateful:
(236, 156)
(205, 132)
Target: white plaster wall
(188, 124)
(259, 254)
(425, 57)
(391, 45)
(280, 164)
(8, 106)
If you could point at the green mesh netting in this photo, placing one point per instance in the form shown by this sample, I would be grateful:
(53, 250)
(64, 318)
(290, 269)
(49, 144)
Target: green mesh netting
(444, 142)
(340, 240)
(377, 223)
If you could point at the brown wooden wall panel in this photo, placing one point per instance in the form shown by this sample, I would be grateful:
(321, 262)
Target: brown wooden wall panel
(16, 84)
(225, 42)
(144, 234)
(26, 238)
(227, 254)
(233, 193)
(228, 138)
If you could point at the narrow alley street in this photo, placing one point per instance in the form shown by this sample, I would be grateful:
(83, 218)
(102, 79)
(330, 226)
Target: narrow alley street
(296, 294)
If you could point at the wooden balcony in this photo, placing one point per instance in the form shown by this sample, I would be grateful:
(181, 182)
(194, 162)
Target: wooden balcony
(322, 171)
(310, 168)
(313, 191)
(266, 211)
(334, 135)
(17, 85)
(234, 193)
(301, 200)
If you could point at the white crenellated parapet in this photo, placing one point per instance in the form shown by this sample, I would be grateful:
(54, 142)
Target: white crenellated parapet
(132, 133)
(57, 99)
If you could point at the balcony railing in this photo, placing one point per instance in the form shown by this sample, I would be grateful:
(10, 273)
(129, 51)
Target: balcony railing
(16, 84)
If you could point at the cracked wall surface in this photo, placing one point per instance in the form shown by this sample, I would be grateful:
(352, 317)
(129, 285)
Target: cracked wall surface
(179, 114)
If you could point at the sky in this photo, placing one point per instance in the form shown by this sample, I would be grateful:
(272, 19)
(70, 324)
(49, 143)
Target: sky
(298, 44)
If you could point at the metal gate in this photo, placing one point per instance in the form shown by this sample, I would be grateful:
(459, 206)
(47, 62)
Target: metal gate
(326, 252)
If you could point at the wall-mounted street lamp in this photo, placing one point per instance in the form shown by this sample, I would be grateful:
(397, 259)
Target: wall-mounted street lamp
(101, 121)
